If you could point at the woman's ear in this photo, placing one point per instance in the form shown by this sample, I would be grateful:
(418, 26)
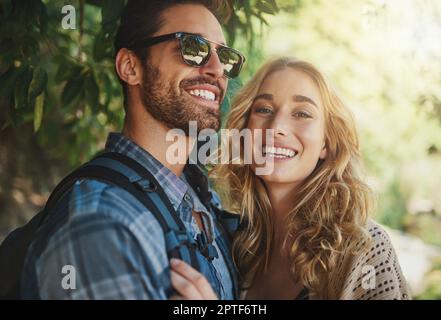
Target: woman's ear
(128, 67)
(323, 153)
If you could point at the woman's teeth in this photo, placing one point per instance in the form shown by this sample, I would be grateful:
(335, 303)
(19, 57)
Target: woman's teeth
(207, 95)
(279, 152)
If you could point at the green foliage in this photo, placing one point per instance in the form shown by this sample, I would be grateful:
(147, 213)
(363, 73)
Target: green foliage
(393, 207)
(244, 15)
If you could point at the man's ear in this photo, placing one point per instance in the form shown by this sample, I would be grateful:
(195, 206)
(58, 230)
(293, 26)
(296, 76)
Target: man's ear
(128, 67)
(324, 152)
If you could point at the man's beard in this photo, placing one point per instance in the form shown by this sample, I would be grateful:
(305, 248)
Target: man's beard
(172, 109)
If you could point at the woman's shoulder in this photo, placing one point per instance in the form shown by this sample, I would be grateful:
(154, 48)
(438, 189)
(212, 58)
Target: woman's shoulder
(380, 240)
(375, 273)
(375, 229)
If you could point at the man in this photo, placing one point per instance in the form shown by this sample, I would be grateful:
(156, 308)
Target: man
(109, 244)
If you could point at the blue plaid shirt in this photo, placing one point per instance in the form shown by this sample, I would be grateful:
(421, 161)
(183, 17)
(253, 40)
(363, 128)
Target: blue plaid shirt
(102, 243)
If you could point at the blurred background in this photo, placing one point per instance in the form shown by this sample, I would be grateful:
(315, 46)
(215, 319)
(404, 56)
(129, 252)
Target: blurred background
(59, 97)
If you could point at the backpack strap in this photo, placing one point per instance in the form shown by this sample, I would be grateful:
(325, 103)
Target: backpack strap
(230, 222)
(180, 244)
(199, 182)
(129, 175)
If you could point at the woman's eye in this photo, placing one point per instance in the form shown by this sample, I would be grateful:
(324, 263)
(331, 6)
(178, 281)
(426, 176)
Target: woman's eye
(302, 114)
(264, 110)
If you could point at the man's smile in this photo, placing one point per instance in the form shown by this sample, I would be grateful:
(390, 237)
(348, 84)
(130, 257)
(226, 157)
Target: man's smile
(205, 94)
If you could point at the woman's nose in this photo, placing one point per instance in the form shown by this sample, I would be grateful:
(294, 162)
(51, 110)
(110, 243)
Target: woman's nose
(279, 125)
(279, 132)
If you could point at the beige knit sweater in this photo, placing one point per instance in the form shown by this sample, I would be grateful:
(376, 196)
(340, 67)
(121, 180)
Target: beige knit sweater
(373, 274)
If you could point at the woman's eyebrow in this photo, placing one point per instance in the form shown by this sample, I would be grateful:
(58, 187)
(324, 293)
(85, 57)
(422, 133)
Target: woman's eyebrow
(300, 98)
(265, 96)
(296, 98)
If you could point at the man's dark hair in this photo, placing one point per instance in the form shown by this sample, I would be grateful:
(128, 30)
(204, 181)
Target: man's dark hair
(140, 19)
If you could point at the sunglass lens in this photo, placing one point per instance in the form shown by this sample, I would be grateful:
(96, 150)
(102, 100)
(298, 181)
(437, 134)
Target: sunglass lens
(231, 61)
(195, 50)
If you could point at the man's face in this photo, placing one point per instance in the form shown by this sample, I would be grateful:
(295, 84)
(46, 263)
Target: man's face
(172, 91)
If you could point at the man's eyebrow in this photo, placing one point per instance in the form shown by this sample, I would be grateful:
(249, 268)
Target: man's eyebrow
(265, 96)
(300, 98)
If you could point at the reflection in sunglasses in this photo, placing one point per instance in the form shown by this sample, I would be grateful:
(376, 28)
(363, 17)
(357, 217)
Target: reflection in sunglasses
(191, 46)
(228, 67)
(197, 59)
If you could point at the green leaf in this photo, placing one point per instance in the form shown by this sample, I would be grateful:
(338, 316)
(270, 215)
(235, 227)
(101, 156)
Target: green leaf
(38, 111)
(266, 7)
(14, 116)
(38, 83)
(273, 5)
(248, 23)
(7, 82)
(22, 88)
(43, 19)
(66, 69)
(262, 19)
(111, 13)
(102, 47)
(9, 52)
(108, 89)
(92, 92)
(71, 90)
(231, 28)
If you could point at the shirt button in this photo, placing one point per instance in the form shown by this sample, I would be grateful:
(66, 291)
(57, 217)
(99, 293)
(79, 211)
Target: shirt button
(187, 197)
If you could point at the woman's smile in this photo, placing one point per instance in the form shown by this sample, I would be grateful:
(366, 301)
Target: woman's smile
(289, 103)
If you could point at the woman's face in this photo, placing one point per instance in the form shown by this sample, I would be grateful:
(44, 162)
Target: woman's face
(289, 102)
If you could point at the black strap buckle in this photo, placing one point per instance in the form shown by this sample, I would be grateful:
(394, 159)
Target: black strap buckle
(207, 249)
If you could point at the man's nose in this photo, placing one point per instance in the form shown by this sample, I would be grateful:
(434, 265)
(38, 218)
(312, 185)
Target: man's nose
(214, 67)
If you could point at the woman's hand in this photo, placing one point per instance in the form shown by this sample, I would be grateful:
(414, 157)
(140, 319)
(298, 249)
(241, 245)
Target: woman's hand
(189, 283)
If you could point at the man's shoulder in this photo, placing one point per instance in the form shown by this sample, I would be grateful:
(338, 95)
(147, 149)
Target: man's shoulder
(116, 241)
(93, 207)
(90, 197)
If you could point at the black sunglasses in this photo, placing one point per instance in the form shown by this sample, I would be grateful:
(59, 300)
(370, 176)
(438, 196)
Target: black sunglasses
(196, 51)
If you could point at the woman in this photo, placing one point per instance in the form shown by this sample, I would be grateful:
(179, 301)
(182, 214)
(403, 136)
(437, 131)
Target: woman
(308, 235)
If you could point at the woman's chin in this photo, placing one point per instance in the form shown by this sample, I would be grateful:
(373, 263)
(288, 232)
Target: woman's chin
(279, 177)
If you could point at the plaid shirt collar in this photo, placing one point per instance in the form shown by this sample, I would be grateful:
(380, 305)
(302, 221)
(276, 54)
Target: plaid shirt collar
(174, 187)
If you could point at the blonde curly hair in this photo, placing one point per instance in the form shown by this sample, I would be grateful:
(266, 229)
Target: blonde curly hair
(334, 204)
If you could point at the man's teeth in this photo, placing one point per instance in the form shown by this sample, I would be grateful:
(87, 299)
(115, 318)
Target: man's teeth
(208, 95)
(279, 152)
